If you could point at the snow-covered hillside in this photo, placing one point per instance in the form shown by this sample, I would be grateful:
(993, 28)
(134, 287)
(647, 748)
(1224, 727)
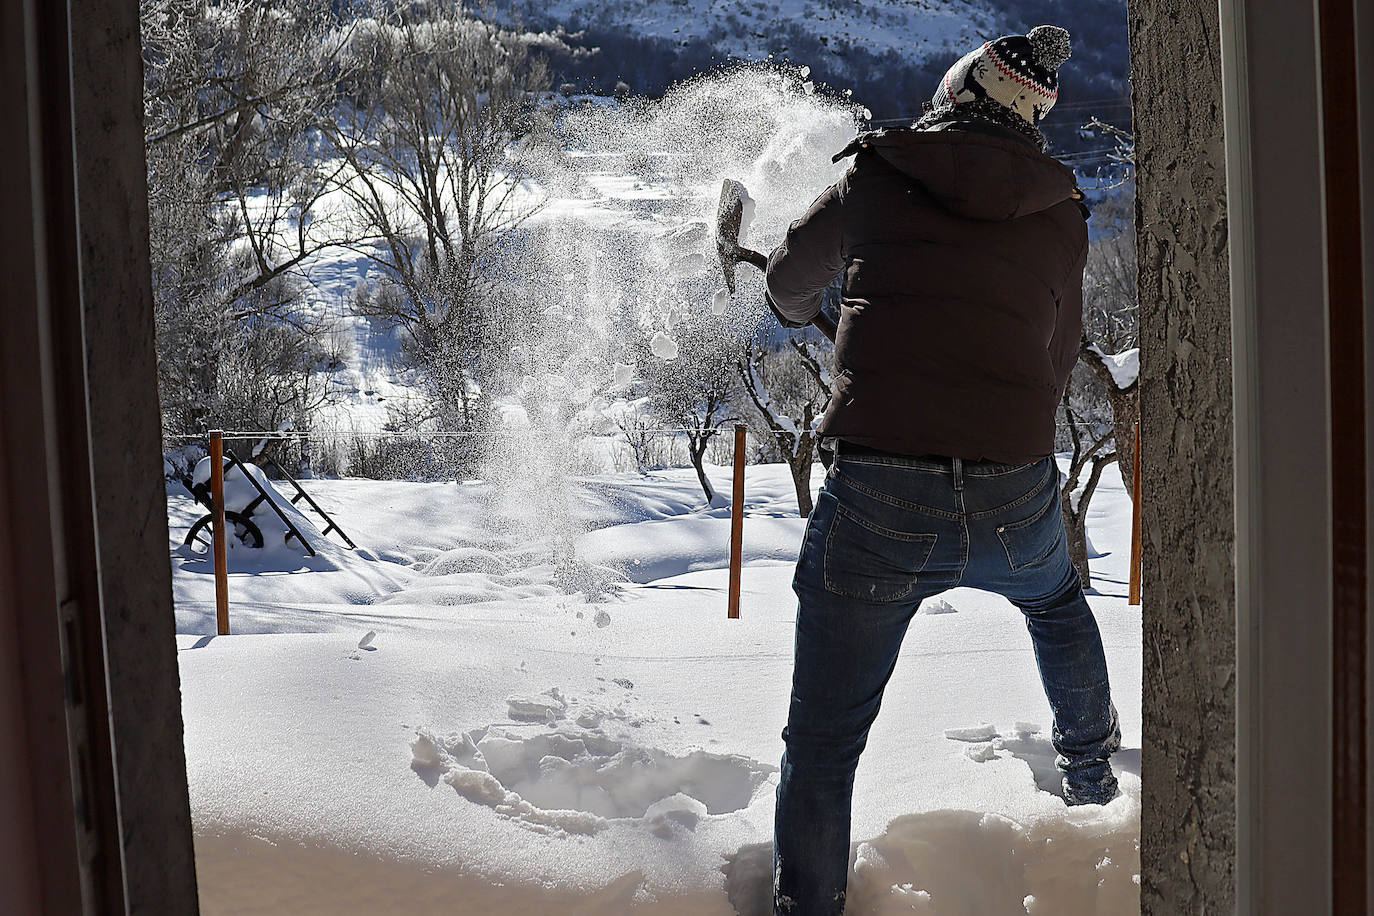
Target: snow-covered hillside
(890, 53)
(439, 721)
(746, 29)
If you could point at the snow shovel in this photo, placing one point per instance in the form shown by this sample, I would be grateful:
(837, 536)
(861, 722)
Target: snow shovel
(729, 217)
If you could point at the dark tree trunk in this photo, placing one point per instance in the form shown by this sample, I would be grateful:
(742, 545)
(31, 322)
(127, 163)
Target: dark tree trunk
(698, 452)
(1077, 533)
(1076, 517)
(800, 465)
(1125, 415)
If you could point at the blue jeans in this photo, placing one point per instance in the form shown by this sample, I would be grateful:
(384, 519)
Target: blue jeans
(886, 533)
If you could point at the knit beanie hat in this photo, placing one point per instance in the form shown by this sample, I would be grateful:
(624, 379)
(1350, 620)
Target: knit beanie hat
(1017, 73)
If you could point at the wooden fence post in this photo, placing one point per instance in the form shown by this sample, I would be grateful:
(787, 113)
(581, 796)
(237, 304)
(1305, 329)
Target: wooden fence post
(1135, 524)
(221, 535)
(737, 522)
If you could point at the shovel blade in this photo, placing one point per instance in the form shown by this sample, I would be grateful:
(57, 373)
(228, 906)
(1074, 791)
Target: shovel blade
(729, 214)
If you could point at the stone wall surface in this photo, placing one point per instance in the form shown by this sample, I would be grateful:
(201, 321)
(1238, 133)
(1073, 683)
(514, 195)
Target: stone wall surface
(1188, 758)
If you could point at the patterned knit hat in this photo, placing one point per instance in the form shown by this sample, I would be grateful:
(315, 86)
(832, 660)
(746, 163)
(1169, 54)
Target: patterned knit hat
(1018, 72)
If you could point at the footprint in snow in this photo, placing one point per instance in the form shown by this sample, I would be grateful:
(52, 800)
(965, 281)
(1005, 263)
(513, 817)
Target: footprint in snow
(568, 781)
(1025, 743)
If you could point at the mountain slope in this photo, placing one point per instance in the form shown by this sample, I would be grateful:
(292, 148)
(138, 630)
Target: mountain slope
(890, 53)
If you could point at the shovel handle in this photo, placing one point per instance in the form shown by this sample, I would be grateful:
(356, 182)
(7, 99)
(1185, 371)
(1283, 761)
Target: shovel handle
(753, 257)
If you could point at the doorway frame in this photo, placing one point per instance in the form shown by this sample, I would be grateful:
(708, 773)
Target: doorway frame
(97, 708)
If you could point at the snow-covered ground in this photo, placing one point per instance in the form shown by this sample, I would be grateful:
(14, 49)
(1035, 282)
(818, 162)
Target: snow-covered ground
(443, 720)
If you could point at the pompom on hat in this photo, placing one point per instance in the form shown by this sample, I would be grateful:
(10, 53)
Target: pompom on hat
(1017, 72)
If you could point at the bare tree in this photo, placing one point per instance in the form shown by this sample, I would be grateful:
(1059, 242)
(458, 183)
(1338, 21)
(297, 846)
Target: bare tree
(233, 92)
(702, 419)
(789, 389)
(1089, 443)
(1111, 322)
(697, 392)
(1121, 155)
(438, 132)
(639, 428)
(1117, 375)
(1101, 403)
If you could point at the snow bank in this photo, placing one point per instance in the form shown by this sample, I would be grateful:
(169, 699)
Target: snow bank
(1085, 862)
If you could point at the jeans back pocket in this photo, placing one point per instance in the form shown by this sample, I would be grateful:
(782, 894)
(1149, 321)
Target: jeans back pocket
(1032, 539)
(869, 562)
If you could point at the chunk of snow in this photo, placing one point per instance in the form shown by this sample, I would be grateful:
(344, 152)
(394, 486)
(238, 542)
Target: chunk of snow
(938, 606)
(675, 814)
(542, 708)
(367, 640)
(910, 894)
(746, 212)
(602, 619)
(663, 346)
(1124, 366)
(980, 753)
(474, 785)
(720, 302)
(972, 733)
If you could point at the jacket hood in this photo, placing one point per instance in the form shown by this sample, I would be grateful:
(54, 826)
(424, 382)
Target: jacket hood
(975, 174)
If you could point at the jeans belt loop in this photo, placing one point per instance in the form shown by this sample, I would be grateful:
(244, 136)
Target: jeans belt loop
(958, 473)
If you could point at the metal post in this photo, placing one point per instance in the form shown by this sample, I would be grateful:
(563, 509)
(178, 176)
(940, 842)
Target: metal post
(221, 557)
(737, 522)
(1135, 524)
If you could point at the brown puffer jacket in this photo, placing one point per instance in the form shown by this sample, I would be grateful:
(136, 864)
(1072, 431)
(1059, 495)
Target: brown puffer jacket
(963, 252)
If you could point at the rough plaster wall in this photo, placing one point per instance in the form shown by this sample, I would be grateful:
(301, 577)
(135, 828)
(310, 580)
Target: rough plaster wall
(1188, 759)
(136, 584)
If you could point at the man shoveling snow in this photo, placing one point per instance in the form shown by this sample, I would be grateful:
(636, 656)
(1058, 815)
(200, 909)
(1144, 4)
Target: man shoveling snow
(964, 246)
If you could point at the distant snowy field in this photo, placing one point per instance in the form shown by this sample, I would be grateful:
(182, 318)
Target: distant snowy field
(440, 721)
